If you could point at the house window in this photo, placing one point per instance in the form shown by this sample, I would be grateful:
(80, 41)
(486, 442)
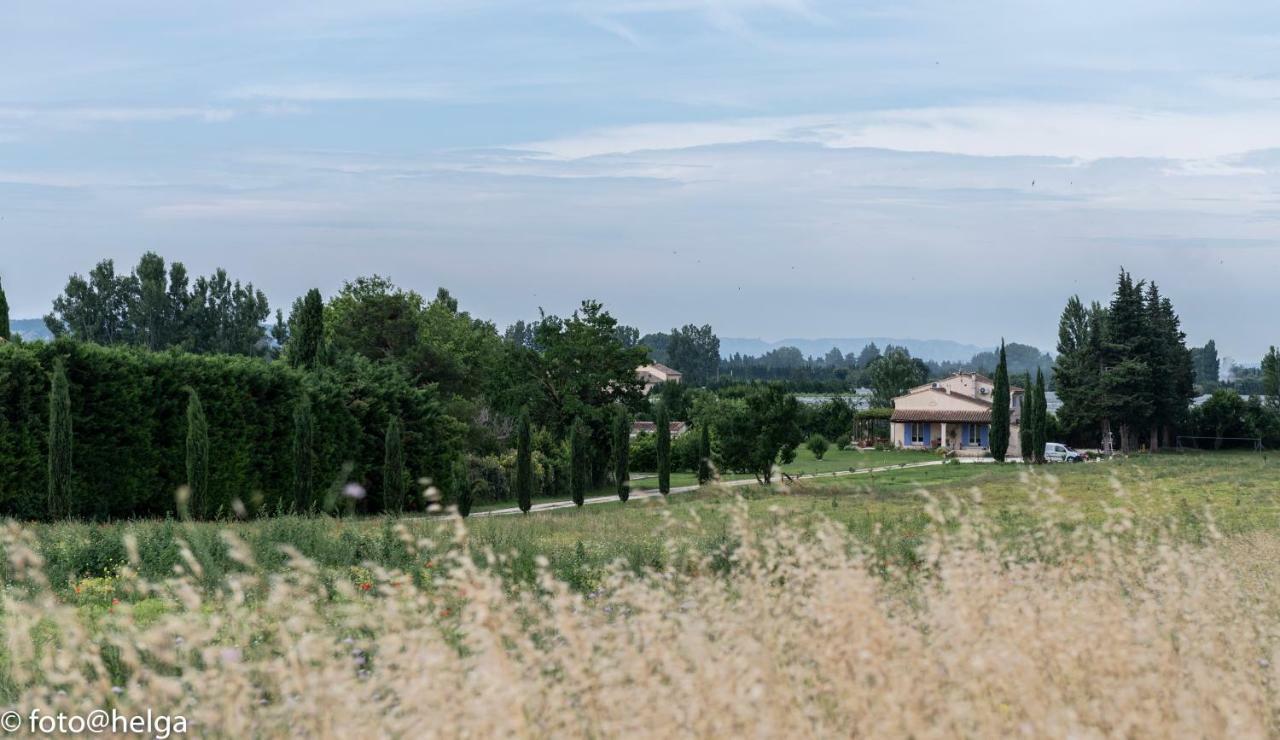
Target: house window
(975, 435)
(917, 433)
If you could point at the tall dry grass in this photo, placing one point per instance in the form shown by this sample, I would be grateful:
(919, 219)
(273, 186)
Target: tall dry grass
(1118, 630)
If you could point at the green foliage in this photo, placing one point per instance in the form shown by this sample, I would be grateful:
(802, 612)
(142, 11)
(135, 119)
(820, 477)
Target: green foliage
(306, 334)
(893, 374)
(1039, 425)
(832, 419)
(197, 456)
(1026, 435)
(129, 404)
(304, 455)
(4, 316)
(60, 502)
(998, 436)
(695, 352)
(843, 441)
(579, 467)
(152, 309)
(1206, 366)
(461, 489)
(705, 470)
(759, 431)
(1271, 377)
(394, 478)
(663, 435)
(524, 463)
(573, 368)
(621, 451)
(818, 445)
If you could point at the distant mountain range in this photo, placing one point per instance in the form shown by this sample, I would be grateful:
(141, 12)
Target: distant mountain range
(30, 328)
(939, 350)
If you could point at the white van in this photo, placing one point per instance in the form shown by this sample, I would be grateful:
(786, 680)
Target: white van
(1055, 452)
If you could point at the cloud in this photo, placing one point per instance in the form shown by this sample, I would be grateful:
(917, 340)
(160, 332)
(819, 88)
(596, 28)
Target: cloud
(330, 92)
(1070, 131)
(241, 208)
(72, 117)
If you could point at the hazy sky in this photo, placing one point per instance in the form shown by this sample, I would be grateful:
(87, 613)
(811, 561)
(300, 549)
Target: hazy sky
(923, 168)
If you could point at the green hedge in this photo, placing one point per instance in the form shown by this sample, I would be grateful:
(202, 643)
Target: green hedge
(129, 428)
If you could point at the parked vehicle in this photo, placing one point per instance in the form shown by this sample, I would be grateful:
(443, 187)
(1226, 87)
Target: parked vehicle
(1055, 452)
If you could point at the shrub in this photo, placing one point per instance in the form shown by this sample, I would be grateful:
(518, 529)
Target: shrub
(818, 445)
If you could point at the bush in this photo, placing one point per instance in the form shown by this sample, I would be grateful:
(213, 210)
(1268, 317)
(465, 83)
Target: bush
(490, 470)
(843, 441)
(818, 445)
(644, 453)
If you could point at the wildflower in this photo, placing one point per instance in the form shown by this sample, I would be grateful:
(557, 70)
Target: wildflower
(115, 602)
(353, 491)
(445, 612)
(366, 586)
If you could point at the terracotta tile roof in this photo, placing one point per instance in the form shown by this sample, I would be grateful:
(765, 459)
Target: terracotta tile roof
(943, 415)
(676, 427)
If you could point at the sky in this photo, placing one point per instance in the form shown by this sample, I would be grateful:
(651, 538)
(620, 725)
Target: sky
(776, 168)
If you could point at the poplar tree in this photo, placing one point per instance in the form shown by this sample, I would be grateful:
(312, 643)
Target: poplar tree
(999, 435)
(304, 462)
(621, 452)
(393, 476)
(306, 339)
(1040, 429)
(59, 444)
(4, 316)
(197, 456)
(524, 463)
(705, 471)
(664, 450)
(579, 471)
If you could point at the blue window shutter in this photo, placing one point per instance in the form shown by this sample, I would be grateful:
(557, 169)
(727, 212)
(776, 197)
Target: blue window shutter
(964, 434)
(928, 427)
(982, 430)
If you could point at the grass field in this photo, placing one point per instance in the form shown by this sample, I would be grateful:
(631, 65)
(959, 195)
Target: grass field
(1129, 597)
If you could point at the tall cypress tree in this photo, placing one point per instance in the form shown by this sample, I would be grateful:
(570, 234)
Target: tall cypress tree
(705, 471)
(1040, 431)
(999, 436)
(307, 332)
(304, 455)
(524, 463)
(59, 443)
(393, 475)
(1027, 424)
(621, 452)
(579, 470)
(197, 456)
(4, 316)
(461, 487)
(664, 450)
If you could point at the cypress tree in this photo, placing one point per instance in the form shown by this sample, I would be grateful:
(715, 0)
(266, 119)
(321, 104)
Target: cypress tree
(578, 469)
(307, 338)
(197, 456)
(59, 444)
(1027, 424)
(4, 316)
(664, 450)
(462, 488)
(1040, 431)
(621, 452)
(524, 463)
(705, 471)
(999, 435)
(304, 462)
(393, 477)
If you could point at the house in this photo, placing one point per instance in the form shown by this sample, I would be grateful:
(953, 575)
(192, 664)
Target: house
(656, 374)
(953, 413)
(648, 427)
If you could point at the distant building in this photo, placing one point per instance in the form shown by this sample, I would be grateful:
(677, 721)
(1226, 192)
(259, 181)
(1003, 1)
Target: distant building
(656, 374)
(648, 427)
(953, 413)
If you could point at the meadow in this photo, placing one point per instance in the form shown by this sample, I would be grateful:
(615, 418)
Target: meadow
(1128, 597)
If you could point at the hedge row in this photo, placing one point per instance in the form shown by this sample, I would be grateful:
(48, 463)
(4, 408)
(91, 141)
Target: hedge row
(129, 428)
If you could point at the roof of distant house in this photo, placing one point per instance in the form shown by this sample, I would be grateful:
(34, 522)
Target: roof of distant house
(661, 368)
(974, 415)
(649, 426)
